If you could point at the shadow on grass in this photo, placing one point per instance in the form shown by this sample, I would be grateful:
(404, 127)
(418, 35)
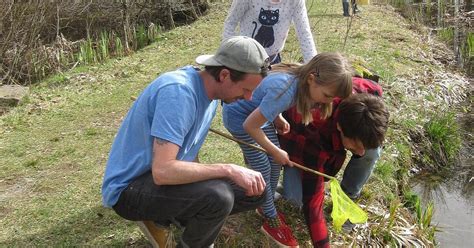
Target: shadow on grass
(97, 226)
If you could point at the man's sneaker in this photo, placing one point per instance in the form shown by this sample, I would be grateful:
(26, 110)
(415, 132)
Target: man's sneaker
(157, 236)
(281, 234)
(259, 211)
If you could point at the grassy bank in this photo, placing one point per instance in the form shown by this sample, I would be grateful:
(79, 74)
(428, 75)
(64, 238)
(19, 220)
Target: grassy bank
(53, 148)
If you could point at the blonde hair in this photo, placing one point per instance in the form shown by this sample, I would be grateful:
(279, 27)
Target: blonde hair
(329, 69)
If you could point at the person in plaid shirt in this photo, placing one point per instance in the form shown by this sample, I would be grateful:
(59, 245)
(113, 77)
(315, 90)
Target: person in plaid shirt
(358, 124)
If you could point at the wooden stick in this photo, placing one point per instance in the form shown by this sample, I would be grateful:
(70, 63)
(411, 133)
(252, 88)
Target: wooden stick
(263, 150)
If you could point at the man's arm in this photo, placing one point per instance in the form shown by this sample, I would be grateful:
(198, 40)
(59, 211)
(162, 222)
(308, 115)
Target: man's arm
(167, 170)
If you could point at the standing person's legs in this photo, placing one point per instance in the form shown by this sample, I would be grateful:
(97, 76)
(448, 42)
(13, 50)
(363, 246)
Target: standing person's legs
(345, 7)
(355, 9)
(201, 207)
(260, 162)
(358, 171)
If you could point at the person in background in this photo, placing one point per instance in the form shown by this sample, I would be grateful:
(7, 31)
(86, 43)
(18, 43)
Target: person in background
(153, 174)
(346, 7)
(268, 22)
(308, 86)
(358, 125)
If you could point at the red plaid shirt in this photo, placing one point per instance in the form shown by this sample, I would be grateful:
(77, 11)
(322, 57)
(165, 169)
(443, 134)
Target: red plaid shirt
(319, 147)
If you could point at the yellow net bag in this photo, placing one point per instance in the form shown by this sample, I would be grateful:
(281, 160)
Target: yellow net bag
(343, 208)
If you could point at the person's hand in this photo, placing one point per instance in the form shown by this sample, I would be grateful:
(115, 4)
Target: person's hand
(281, 157)
(282, 126)
(251, 181)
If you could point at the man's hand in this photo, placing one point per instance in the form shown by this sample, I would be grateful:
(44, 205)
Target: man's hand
(251, 181)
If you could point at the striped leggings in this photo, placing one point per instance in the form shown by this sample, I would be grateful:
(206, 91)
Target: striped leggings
(264, 164)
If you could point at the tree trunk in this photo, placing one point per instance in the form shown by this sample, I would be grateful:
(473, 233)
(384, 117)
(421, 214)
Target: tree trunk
(169, 14)
(126, 24)
(194, 13)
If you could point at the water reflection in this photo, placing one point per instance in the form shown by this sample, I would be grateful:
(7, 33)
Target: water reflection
(453, 196)
(453, 212)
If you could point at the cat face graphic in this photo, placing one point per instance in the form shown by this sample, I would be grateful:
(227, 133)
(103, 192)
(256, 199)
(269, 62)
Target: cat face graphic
(268, 17)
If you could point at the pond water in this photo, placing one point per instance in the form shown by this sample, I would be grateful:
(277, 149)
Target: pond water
(453, 215)
(453, 196)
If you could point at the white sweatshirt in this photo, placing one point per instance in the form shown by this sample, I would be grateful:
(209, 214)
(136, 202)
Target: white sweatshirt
(268, 21)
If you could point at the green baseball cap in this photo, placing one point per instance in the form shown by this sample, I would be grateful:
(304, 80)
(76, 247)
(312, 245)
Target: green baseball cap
(239, 53)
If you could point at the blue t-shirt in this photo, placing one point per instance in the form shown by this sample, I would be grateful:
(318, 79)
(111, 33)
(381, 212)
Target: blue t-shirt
(275, 94)
(174, 107)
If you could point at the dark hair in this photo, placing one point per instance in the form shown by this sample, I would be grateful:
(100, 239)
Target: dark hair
(234, 74)
(364, 117)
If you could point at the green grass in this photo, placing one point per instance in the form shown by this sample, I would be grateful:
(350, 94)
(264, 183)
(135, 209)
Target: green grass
(53, 148)
(443, 133)
(446, 34)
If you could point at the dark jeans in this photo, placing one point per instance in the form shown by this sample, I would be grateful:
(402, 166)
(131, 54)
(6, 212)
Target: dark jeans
(200, 207)
(275, 59)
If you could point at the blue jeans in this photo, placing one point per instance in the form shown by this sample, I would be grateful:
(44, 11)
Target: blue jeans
(275, 59)
(356, 174)
(200, 207)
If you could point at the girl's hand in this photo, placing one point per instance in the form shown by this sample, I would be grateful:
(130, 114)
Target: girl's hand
(281, 157)
(281, 125)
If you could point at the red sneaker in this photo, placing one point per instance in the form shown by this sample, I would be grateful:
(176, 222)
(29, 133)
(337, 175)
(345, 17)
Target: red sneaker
(282, 235)
(259, 211)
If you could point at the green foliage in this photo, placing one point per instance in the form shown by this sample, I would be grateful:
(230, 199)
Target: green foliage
(423, 216)
(119, 50)
(469, 47)
(87, 54)
(104, 45)
(412, 200)
(394, 206)
(404, 154)
(444, 135)
(446, 34)
(91, 51)
(386, 171)
(141, 37)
